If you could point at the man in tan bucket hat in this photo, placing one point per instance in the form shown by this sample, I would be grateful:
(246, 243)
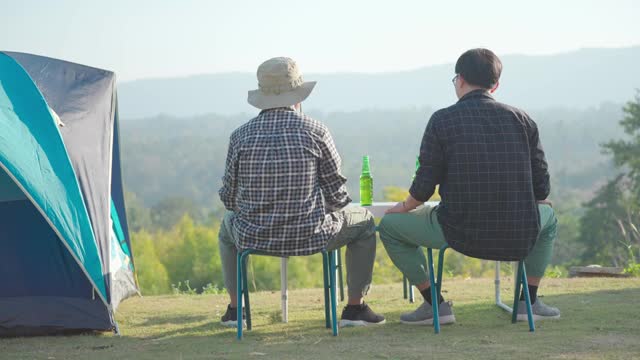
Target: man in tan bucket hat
(285, 194)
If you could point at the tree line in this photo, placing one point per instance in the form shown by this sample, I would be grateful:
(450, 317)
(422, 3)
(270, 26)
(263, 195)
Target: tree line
(176, 246)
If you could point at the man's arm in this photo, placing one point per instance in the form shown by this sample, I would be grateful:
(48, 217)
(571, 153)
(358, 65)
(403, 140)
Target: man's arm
(539, 167)
(431, 167)
(229, 187)
(332, 182)
(429, 173)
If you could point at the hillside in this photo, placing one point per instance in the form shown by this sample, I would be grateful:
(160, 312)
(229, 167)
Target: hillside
(578, 79)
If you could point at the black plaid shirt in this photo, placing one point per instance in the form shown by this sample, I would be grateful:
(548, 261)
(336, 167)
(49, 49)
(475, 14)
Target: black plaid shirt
(491, 168)
(283, 180)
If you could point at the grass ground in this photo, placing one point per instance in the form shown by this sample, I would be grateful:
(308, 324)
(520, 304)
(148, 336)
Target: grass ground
(600, 320)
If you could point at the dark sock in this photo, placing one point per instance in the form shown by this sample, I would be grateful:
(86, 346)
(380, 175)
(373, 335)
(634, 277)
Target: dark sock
(533, 294)
(426, 294)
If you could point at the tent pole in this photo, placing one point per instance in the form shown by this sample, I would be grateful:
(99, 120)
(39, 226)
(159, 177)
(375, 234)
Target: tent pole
(116, 329)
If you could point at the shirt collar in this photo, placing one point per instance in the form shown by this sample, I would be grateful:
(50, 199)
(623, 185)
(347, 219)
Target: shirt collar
(477, 94)
(285, 108)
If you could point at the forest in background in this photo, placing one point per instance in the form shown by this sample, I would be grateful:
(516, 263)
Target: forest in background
(173, 166)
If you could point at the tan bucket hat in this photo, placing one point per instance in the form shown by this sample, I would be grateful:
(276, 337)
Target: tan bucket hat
(280, 84)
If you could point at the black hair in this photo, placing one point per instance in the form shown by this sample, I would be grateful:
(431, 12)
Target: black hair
(480, 67)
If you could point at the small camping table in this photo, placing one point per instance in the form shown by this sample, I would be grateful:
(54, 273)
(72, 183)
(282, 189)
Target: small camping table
(377, 209)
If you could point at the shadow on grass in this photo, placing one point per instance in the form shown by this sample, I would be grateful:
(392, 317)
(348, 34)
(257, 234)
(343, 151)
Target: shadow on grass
(600, 310)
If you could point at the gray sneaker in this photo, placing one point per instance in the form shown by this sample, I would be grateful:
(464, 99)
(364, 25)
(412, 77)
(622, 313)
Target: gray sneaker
(539, 309)
(423, 315)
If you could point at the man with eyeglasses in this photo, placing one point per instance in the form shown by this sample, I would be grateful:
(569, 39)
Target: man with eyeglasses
(494, 183)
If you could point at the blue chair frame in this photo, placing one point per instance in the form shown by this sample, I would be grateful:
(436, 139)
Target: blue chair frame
(329, 278)
(436, 287)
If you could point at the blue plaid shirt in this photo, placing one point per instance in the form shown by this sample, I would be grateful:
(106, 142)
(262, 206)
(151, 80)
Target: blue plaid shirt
(282, 181)
(489, 162)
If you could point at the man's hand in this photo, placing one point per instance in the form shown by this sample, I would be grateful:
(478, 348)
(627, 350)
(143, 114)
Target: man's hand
(404, 206)
(397, 209)
(545, 202)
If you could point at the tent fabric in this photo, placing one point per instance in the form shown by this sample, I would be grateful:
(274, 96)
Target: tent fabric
(38, 264)
(121, 268)
(33, 154)
(45, 287)
(60, 188)
(65, 314)
(9, 191)
(123, 280)
(117, 189)
(117, 229)
(82, 97)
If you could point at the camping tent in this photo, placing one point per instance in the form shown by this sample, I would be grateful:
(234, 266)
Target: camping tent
(65, 252)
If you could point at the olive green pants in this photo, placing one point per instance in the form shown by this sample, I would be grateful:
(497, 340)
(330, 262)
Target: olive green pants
(404, 234)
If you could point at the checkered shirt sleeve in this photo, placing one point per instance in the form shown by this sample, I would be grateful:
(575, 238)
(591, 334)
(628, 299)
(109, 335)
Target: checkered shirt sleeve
(332, 182)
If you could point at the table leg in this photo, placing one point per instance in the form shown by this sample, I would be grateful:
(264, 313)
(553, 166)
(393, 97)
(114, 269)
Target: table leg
(499, 302)
(284, 291)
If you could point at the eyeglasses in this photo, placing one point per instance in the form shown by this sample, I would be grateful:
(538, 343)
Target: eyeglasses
(454, 79)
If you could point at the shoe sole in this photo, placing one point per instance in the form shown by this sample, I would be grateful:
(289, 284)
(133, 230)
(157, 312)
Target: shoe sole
(524, 317)
(233, 323)
(447, 319)
(351, 323)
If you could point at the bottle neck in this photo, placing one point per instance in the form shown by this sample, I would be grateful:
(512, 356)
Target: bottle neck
(365, 166)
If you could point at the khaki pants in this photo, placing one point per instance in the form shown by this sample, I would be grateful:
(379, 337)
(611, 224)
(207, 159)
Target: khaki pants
(358, 234)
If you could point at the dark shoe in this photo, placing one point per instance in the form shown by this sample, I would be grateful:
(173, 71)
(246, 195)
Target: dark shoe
(230, 318)
(360, 315)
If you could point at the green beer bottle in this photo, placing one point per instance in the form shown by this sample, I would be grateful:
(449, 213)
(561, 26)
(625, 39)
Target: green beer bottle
(417, 167)
(366, 183)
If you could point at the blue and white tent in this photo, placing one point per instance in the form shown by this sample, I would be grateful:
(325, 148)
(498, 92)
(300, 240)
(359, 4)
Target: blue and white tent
(65, 252)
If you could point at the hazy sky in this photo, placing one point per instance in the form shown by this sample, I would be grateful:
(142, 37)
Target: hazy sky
(162, 38)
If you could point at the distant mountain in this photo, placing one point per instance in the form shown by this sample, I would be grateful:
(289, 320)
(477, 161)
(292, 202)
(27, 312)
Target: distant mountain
(577, 79)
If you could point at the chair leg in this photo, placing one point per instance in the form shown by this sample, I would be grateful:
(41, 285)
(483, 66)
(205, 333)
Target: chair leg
(332, 282)
(405, 293)
(340, 281)
(516, 295)
(434, 293)
(440, 268)
(325, 281)
(330, 269)
(239, 295)
(245, 287)
(527, 298)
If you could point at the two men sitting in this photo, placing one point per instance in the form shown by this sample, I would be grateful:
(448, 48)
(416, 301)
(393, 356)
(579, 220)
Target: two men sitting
(286, 196)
